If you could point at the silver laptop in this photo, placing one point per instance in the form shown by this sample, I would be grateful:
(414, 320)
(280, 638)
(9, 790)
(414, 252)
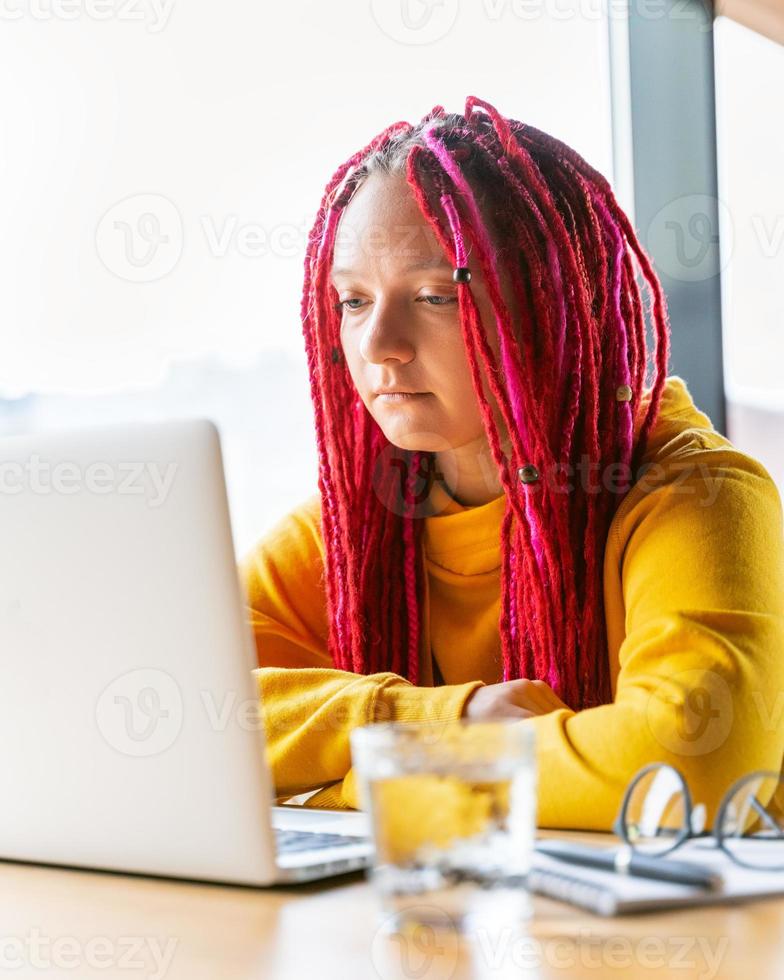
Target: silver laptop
(130, 731)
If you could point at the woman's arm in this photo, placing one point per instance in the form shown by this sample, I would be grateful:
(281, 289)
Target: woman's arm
(309, 713)
(310, 707)
(701, 680)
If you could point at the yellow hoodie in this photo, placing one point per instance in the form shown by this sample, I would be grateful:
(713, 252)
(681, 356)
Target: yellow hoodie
(694, 605)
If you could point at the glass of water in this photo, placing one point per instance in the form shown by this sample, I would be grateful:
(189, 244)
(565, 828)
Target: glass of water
(452, 807)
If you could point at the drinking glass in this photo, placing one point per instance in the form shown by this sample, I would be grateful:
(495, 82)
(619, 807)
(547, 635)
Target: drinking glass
(452, 807)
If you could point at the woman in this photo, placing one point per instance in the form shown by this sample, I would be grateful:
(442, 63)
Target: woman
(527, 529)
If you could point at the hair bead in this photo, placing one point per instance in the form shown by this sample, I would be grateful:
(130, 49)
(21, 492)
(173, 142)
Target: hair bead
(528, 473)
(335, 355)
(461, 274)
(623, 393)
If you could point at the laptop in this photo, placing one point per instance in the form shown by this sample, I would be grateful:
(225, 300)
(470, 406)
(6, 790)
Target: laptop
(130, 733)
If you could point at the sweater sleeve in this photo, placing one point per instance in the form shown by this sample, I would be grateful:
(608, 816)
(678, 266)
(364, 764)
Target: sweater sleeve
(309, 706)
(701, 666)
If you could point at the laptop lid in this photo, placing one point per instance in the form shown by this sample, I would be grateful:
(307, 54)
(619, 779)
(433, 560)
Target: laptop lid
(130, 737)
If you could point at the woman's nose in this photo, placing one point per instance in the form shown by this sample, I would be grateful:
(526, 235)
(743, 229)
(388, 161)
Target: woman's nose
(385, 335)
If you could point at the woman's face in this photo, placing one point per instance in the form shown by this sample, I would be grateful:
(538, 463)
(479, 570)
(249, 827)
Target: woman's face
(401, 326)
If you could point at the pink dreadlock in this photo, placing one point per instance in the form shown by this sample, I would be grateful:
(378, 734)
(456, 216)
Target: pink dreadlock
(569, 388)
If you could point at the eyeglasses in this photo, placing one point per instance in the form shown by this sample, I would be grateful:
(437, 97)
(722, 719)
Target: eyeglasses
(657, 815)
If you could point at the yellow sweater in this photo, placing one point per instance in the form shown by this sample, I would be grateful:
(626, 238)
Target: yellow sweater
(694, 605)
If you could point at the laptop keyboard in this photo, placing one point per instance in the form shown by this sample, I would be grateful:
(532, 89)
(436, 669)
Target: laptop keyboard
(289, 841)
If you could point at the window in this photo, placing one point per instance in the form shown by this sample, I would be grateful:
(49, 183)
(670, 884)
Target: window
(750, 83)
(163, 165)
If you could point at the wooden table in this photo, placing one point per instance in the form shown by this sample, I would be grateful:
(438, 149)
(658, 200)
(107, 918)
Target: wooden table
(84, 924)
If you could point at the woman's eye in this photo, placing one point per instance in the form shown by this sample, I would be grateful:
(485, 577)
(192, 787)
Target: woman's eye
(345, 304)
(342, 304)
(440, 300)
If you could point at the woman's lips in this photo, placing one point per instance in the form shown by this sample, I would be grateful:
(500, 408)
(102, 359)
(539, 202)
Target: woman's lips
(401, 396)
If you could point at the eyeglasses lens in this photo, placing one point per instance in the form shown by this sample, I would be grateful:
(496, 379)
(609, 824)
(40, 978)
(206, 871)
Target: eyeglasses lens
(752, 822)
(656, 814)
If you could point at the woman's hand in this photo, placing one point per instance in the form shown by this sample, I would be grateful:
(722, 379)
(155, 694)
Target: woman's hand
(512, 699)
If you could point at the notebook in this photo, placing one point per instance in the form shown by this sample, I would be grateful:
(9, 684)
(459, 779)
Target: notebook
(608, 893)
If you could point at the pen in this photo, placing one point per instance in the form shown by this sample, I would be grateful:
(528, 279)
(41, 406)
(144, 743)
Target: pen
(625, 861)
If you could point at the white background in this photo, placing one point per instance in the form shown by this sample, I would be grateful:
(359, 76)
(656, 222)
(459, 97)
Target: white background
(224, 122)
(750, 135)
